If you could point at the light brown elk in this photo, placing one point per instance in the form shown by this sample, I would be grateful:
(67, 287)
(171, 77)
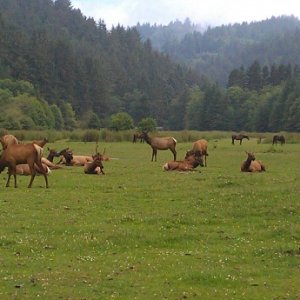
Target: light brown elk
(41, 143)
(191, 161)
(201, 145)
(160, 143)
(251, 164)
(75, 160)
(22, 154)
(24, 169)
(96, 166)
(8, 140)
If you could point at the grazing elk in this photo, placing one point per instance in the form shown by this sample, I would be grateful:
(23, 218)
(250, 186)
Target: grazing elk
(138, 136)
(8, 140)
(239, 137)
(96, 166)
(191, 161)
(252, 165)
(20, 154)
(160, 143)
(200, 145)
(278, 138)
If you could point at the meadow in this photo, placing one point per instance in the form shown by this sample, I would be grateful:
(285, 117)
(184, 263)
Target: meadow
(142, 233)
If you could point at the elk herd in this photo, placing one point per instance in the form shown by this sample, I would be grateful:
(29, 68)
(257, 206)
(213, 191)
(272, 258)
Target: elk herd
(28, 159)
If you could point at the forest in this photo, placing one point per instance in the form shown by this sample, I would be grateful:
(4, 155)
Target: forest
(60, 69)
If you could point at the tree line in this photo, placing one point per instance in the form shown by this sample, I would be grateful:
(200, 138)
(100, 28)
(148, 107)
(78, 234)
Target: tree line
(59, 69)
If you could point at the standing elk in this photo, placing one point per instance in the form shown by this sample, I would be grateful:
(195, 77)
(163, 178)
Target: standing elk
(239, 137)
(160, 143)
(41, 143)
(96, 166)
(22, 154)
(201, 145)
(278, 138)
(191, 161)
(8, 140)
(251, 164)
(138, 136)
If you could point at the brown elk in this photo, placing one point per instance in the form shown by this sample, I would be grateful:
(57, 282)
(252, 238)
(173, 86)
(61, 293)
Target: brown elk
(96, 166)
(24, 169)
(201, 145)
(20, 154)
(160, 143)
(41, 143)
(239, 137)
(278, 138)
(8, 140)
(251, 164)
(191, 161)
(75, 160)
(138, 136)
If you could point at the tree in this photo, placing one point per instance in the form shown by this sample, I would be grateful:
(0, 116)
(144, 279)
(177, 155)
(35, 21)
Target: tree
(121, 121)
(147, 124)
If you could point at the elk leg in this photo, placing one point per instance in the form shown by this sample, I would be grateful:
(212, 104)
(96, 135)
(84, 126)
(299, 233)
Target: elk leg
(174, 154)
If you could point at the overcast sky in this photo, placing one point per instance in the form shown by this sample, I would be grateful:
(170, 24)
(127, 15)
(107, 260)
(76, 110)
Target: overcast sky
(207, 12)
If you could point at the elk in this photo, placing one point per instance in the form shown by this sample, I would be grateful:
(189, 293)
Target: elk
(278, 138)
(160, 143)
(8, 140)
(239, 137)
(96, 166)
(201, 145)
(191, 161)
(75, 160)
(251, 164)
(137, 136)
(24, 169)
(20, 154)
(41, 143)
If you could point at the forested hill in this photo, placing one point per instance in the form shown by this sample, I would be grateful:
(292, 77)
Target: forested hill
(71, 58)
(216, 51)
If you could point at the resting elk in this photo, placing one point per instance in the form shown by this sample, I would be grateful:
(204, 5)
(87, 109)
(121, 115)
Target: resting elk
(278, 138)
(75, 160)
(96, 166)
(24, 169)
(8, 140)
(160, 143)
(201, 145)
(22, 154)
(192, 160)
(239, 137)
(251, 164)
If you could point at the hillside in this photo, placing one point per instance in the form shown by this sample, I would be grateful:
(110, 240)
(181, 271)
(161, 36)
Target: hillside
(71, 58)
(216, 51)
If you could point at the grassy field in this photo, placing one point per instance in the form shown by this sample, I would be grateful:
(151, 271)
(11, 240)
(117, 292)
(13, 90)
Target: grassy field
(141, 233)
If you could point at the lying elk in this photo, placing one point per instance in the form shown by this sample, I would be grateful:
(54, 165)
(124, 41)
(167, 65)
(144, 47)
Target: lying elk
(160, 143)
(201, 145)
(8, 140)
(278, 138)
(239, 137)
(252, 165)
(24, 169)
(75, 160)
(20, 154)
(192, 160)
(96, 166)
(138, 136)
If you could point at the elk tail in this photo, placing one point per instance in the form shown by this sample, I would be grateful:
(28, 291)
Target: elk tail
(174, 140)
(39, 151)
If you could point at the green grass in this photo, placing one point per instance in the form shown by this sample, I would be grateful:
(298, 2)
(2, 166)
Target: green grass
(141, 233)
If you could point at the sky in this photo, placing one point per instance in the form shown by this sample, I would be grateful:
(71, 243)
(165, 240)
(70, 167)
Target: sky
(205, 12)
